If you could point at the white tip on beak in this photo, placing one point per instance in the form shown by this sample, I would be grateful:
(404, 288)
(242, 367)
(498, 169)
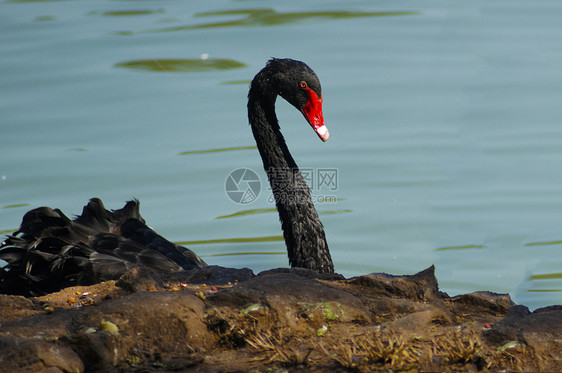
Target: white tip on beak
(323, 132)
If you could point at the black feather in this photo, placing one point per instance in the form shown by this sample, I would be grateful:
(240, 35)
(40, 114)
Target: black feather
(49, 251)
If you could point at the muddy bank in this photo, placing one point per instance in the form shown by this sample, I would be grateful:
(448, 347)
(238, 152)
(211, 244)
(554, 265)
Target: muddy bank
(219, 319)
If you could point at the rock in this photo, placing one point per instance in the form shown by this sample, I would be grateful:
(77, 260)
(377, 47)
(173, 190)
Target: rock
(529, 328)
(12, 306)
(28, 355)
(485, 301)
(212, 275)
(416, 321)
(218, 319)
(140, 279)
(302, 272)
(421, 286)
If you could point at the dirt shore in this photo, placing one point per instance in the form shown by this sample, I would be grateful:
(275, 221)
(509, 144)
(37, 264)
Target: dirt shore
(225, 320)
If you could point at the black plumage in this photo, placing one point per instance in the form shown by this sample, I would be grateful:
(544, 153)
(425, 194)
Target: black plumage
(302, 229)
(50, 251)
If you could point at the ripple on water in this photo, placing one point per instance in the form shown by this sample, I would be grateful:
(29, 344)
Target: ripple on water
(15, 205)
(218, 150)
(181, 65)
(44, 18)
(30, 1)
(268, 210)
(547, 276)
(270, 17)
(233, 240)
(125, 13)
(461, 247)
(233, 82)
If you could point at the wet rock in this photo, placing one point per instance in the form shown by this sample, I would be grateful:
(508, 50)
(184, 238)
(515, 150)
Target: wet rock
(530, 328)
(485, 301)
(421, 286)
(212, 275)
(302, 272)
(218, 319)
(540, 331)
(286, 294)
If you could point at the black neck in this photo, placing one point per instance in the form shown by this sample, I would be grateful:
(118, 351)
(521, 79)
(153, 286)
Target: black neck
(302, 229)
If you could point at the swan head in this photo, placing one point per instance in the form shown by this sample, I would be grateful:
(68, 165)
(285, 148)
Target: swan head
(297, 83)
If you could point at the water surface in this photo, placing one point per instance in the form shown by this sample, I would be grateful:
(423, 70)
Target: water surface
(445, 122)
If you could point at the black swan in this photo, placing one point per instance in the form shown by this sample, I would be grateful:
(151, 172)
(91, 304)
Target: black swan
(49, 251)
(299, 85)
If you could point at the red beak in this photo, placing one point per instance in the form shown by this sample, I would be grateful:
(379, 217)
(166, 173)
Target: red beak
(312, 111)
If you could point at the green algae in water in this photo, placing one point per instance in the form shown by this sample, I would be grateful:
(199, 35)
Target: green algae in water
(181, 65)
(31, 1)
(248, 212)
(234, 82)
(462, 247)
(268, 210)
(248, 253)
(333, 212)
(547, 276)
(205, 151)
(270, 17)
(44, 18)
(233, 240)
(124, 13)
(15, 205)
(545, 243)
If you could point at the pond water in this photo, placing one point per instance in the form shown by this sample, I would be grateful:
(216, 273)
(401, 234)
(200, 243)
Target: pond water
(445, 123)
